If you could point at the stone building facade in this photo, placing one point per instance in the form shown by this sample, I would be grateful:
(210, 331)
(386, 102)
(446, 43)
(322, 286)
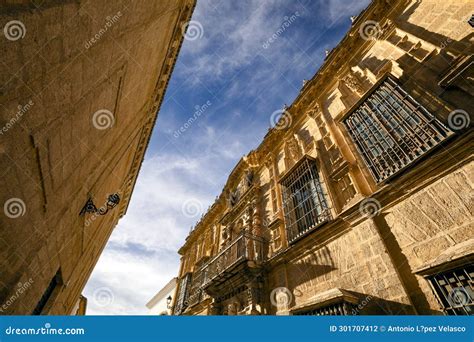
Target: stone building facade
(80, 86)
(359, 199)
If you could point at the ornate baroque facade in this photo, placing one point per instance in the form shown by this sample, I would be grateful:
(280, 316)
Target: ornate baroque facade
(80, 86)
(359, 200)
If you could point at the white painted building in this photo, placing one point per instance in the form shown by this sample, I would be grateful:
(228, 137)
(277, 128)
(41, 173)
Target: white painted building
(161, 303)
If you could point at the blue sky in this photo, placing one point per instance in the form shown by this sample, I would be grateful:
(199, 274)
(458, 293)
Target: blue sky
(228, 80)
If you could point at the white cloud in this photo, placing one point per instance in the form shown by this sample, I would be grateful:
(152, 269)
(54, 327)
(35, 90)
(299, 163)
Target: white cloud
(130, 280)
(141, 255)
(240, 37)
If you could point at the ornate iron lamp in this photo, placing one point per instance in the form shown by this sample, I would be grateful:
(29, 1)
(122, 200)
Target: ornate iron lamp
(168, 302)
(90, 208)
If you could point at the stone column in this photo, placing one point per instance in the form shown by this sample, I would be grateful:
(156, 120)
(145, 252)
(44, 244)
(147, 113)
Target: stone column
(254, 297)
(256, 218)
(215, 309)
(257, 229)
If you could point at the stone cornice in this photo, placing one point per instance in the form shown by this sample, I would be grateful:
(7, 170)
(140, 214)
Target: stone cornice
(187, 8)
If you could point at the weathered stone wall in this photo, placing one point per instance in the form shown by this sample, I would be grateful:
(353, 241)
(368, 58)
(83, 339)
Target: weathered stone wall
(430, 223)
(357, 261)
(89, 77)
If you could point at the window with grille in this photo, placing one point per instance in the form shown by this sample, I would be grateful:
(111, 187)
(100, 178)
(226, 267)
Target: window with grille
(48, 294)
(455, 290)
(391, 130)
(182, 301)
(196, 292)
(304, 202)
(338, 309)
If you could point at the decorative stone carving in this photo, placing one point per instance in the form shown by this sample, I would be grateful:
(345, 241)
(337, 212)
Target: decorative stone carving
(249, 178)
(293, 151)
(352, 82)
(233, 197)
(215, 309)
(232, 308)
(314, 112)
(253, 295)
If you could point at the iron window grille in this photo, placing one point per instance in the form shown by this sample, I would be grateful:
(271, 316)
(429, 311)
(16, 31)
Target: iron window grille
(304, 202)
(47, 295)
(391, 130)
(337, 309)
(184, 287)
(455, 290)
(196, 290)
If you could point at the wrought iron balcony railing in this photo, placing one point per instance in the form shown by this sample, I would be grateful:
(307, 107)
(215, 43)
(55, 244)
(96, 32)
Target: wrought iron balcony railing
(196, 291)
(246, 247)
